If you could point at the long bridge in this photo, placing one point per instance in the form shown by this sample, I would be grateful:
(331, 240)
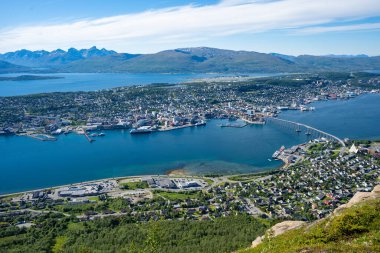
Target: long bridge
(308, 129)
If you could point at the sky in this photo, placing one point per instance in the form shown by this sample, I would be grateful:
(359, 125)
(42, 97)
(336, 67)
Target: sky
(295, 27)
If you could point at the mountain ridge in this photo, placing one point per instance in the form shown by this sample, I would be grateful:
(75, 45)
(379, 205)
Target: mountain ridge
(186, 60)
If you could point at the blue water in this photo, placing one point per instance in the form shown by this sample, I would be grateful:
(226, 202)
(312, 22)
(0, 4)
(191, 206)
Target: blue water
(91, 81)
(357, 118)
(30, 164)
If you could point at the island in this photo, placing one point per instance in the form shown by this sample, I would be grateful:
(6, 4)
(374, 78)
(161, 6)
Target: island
(28, 78)
(160, 107)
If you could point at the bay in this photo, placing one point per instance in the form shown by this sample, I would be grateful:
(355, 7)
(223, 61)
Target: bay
(27, 164)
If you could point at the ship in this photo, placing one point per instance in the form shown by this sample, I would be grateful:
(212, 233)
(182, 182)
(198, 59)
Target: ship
(141, 130)
(202, 123)
(276, 154)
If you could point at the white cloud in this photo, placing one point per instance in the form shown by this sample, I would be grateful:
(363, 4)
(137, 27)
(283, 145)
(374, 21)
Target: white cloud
(340, 28)
(142, 30)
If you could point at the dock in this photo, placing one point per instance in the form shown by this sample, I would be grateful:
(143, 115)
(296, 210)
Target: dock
(42, 137)
(256, 122)
(234, 125)
(87, 137)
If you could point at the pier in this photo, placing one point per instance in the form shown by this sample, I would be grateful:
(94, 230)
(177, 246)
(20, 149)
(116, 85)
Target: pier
(309, 129)
(87, 137)
(234, 125)
(42, 137)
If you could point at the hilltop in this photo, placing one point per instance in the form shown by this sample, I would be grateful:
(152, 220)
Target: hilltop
(353, 227)
(185, 60)
(6, 67)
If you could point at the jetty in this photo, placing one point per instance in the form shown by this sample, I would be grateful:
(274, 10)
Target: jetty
(234, 125)
(87, 137)
(42, 137)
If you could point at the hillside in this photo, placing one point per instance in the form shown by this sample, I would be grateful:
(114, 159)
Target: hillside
(353, 227)
(6, 67)
(185, 60)
(206, 60)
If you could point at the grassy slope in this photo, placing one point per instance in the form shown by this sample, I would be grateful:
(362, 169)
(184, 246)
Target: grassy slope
(356, 229)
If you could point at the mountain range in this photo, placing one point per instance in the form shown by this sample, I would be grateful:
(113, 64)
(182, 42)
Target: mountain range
(183, 60)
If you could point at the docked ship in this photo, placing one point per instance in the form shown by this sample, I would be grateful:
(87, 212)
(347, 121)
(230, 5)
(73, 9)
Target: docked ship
(278, 152)
(202, 123)
(141, 130)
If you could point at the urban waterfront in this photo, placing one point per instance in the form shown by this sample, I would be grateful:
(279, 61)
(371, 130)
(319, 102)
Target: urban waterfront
(30, 164)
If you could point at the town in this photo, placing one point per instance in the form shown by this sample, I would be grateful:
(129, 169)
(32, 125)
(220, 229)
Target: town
(162, 107)
(324, 176)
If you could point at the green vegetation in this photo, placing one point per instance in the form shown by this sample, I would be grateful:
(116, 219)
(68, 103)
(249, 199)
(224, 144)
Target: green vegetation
(178, 195)
(354, 230)
(99, 206)
(252, 176)
(134, 185)
(122, 235)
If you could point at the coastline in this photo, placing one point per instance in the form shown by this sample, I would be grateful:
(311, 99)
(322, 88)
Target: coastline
(170, 173)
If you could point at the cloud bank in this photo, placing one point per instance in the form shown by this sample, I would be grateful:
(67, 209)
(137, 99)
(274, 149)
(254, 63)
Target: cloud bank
(195, 23)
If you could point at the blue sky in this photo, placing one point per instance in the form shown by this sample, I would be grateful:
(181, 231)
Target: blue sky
(147, 26)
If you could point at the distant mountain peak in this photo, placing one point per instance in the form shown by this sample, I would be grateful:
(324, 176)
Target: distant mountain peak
(42, 58)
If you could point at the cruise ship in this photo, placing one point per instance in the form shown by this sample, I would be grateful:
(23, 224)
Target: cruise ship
(202, 123)
(278, 152)
(141, 130)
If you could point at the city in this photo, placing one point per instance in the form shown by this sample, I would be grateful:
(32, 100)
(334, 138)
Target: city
(190, 126)
(162, 107)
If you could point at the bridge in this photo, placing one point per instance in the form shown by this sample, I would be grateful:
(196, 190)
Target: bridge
(308, 128)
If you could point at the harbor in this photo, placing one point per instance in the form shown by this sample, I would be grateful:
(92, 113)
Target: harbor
(207, 149)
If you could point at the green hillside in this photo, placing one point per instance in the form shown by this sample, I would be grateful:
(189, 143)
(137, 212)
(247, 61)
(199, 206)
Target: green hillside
(356, 229)
(6, 67)
(123, 234)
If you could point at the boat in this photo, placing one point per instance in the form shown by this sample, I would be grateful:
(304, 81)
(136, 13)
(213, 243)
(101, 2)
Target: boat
(202, 123)
(141, 130)
(276, 154)
(102, 134)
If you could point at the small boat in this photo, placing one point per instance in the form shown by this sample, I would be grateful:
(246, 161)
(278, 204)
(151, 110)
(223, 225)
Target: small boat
(102, 134)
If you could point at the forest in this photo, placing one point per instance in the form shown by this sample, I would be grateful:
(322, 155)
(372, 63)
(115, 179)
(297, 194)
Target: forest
(122, 234)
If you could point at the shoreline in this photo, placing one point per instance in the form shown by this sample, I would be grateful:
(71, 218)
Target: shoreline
(170, 173)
